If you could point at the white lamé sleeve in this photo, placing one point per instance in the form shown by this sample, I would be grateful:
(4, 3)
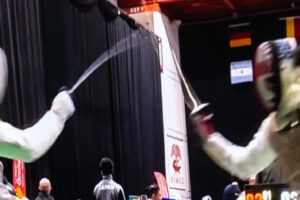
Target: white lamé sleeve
(8, 197)
(31, 143)
(242, 162)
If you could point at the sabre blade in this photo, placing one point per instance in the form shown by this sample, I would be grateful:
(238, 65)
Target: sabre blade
(119, 47)
(190, 97)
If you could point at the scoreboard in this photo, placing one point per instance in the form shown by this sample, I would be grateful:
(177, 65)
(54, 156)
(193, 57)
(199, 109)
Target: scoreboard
(270, 192)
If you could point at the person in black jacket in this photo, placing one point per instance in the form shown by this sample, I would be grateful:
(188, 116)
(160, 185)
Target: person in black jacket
(45, 190)
(107, 188)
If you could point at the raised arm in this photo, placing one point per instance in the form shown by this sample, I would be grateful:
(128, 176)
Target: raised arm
(241, 161)
(33, 142)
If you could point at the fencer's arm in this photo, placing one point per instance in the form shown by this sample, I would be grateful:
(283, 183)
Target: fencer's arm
(242, 161)
(31, 143)
(8, 196)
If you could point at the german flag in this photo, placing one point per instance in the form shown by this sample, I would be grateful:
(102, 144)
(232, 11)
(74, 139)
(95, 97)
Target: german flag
(240, 39)
(292, 27)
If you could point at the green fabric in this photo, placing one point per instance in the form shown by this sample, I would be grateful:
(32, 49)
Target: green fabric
(14, 152)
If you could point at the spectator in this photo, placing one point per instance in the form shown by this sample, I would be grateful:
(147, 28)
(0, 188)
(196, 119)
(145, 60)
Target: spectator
(45, 190)
(107, 188)
(153, 192)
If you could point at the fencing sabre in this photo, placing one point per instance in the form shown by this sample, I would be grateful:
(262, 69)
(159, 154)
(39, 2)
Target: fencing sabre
(119, 47)
(190, 97)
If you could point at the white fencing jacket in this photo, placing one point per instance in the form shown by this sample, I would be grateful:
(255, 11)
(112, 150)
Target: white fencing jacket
(31, 143)
(242, 162)
(265, 146)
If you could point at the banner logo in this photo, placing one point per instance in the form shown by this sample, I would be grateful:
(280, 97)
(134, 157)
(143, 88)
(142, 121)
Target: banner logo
(176, 156)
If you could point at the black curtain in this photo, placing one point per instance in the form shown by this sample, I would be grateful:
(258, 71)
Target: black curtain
(118, 109)
(205, 58)
(137, 101)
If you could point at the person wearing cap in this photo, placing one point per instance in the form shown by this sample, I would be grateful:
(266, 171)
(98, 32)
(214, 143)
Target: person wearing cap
(107, 188)
(44, 190)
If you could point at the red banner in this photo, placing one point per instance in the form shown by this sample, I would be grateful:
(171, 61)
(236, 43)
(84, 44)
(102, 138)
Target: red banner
(162, 184)
(19, 178)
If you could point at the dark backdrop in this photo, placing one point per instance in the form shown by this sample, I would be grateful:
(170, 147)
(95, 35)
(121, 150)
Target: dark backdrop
(49, 44)
(205, 58)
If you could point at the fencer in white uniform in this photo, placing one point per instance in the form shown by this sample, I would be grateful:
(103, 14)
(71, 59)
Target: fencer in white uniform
(33, 142)
(277, 78)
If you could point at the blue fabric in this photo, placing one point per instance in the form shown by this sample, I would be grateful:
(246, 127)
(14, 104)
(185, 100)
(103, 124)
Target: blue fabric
(231, 192)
